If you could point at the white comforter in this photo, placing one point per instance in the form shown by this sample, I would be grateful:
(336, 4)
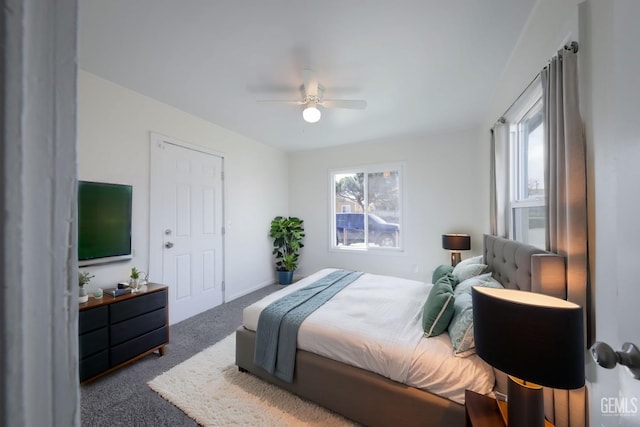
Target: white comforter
(375, 323)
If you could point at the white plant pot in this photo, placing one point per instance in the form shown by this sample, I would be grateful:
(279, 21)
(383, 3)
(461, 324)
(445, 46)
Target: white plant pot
(82, 295)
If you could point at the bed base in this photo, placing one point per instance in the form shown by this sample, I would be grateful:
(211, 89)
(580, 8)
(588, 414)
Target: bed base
(364, 397)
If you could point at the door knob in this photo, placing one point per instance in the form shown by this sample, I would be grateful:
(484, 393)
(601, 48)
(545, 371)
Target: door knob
(606, 357)
(168, 245)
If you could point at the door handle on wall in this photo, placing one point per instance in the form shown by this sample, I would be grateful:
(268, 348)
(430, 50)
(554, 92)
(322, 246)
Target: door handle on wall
(168, 245)
(606, 357)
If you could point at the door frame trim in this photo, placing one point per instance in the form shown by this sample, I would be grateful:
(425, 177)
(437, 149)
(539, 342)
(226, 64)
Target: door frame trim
(155, 241)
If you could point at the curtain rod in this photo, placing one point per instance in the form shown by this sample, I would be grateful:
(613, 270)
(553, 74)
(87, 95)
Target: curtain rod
(502, 120)
(573, 46)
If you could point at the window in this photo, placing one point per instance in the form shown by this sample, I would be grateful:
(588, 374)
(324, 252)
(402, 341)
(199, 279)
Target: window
(526, 142)
(366, 208)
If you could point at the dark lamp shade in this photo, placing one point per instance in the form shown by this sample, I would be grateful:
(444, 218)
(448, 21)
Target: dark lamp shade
(456, 242)
(535, 337)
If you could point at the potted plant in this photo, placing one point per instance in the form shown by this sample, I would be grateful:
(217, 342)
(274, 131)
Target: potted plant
(287, 234)
(134, 278)
(84, 277)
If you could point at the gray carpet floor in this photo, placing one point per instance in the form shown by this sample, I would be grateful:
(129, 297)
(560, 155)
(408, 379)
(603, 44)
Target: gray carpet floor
(123, 398)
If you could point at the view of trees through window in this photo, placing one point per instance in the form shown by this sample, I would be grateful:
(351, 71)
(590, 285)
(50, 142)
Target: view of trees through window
(374, 194)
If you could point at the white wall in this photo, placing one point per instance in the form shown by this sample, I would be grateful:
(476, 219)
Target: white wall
(552, 24)
(113, 146)
(446, 186)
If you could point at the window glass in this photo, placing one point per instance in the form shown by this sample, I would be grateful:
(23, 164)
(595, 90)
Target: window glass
(366, 211)
(529, 224)
(528, 220)
(533, 144)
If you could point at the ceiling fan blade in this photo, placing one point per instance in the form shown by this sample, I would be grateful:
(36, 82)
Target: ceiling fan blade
(280, 101)
(353, 104)
(310, 83)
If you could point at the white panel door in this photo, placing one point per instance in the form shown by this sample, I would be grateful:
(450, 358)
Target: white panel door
(186, 226)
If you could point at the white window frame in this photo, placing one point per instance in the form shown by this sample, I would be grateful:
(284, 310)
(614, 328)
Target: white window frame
(366, 170)
(531, 99)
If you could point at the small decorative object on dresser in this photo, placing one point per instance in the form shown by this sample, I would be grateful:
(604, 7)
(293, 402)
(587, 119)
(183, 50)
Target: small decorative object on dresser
(134, 280)
(84, 277)
(116, 292)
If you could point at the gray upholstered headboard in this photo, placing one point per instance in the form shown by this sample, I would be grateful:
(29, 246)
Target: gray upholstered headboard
(525, 267)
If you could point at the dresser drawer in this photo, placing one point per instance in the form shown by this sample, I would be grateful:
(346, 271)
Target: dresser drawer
(124, 331)
(93, 365)
(136, 306)
(93, 342)
(127, 350)
(95, 318)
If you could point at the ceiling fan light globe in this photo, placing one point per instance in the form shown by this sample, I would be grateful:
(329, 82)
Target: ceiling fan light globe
(311, 114)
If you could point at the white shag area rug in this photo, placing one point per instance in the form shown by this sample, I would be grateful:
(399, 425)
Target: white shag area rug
(209, 388)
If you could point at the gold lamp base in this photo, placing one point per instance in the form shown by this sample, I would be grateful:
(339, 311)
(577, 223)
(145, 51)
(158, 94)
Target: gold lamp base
(455, 258)
(504, 412)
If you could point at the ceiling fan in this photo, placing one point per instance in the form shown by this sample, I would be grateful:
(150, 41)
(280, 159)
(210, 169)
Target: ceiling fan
(312, 98)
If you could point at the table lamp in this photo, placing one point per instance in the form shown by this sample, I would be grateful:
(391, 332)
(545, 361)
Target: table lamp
(456, 243)
(538, 340)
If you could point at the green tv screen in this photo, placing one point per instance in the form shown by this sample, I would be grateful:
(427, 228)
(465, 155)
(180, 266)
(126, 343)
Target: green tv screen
(104, 222)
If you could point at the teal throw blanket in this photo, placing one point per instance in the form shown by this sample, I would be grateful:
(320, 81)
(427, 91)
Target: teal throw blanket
(278, 324)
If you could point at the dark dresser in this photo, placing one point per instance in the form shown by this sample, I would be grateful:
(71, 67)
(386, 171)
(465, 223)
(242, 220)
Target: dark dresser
(115, 331)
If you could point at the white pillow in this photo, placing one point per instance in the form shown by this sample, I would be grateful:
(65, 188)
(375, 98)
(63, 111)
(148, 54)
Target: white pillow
(461, 327)
(462, 272)
(473, 260)
(484, 279)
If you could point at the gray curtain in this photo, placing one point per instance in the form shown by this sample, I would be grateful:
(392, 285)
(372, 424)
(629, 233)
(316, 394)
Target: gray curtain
(499, 190)
(566, 193)
(565, 170)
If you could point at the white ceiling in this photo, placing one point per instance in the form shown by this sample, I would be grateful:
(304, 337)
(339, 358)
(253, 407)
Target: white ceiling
(424, 66)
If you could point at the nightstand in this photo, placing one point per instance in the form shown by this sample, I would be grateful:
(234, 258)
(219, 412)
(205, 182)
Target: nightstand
(481, 411)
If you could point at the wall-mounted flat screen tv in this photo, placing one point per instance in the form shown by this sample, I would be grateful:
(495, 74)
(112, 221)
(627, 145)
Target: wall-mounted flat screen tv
(104, 222)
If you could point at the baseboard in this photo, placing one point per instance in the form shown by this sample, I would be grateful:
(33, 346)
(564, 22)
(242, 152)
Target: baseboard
(229, 298)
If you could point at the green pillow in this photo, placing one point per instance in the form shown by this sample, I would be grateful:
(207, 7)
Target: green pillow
(440, 271)
(438, 309)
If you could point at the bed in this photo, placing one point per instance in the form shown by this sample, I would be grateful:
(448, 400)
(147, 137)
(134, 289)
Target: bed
(373, 399)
